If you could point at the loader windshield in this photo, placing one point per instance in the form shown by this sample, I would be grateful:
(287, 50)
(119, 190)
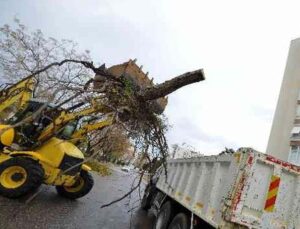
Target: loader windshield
(69, 130)
(8, 113)
(32, 120)
(36, 109)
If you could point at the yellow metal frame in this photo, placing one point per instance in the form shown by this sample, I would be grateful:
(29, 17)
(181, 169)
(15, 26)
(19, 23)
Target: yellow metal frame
(52, 151)
(7, 135)
(80, 134)
(18, 94)
(66, 117)
(53, 175)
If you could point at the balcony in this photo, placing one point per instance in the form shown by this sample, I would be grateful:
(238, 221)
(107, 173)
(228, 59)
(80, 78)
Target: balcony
(295, 134)
(295, 138)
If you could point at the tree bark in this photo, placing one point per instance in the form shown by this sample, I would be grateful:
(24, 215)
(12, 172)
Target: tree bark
(169, 86)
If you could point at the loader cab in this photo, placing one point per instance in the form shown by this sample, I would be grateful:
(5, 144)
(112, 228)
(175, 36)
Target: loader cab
(32, 109)
(32, 120)
(42, 114)
(8, 113)
(71, 127)
(68, 130)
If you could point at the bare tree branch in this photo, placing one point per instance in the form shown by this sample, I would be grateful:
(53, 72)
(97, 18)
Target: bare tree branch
(127, 194)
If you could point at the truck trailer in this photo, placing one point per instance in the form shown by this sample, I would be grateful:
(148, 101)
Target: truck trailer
(245, 189)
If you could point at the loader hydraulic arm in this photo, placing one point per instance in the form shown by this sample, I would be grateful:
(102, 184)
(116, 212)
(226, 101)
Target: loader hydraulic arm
(81, 133)
(66, 117)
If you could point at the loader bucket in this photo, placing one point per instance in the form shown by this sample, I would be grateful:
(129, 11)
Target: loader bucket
(138, 79)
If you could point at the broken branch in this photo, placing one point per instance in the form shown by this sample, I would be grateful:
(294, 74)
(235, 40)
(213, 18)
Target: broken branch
(169, 86)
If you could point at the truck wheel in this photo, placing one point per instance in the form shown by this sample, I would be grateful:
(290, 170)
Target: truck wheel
(20, 176)
(148, 197)
(82, 187)
(181, 221)
(164, 216)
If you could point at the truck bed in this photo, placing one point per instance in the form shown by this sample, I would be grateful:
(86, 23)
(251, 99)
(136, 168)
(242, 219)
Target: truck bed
(245, 189)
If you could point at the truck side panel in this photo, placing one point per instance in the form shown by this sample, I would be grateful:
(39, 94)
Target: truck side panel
(270, 198)
(245, 189)
(200, 184)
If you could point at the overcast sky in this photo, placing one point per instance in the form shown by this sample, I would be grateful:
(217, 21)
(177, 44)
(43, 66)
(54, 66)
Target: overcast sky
(241, 45)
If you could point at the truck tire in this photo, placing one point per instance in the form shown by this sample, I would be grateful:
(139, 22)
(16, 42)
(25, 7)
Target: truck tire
(148, 197)
(164, 216)
(20, 176)
(81, 188)
(181, 221)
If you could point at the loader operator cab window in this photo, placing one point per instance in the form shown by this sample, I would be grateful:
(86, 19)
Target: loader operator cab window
(73, 126)
(69, 130)
(38, 109)
(41, 115)
(8, 113)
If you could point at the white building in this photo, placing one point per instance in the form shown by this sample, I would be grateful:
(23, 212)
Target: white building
(184, 151)
(284, 141)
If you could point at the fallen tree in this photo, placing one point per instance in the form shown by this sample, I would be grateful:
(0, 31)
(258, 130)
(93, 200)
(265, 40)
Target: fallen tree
(67, 78)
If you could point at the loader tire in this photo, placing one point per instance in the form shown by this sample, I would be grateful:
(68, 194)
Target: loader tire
(81, 188)
(164, 216)
(181, 221)
(20, 176)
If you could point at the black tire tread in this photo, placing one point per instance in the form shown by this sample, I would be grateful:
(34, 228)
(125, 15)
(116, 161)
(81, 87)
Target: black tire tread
(35, 176)
(182, 220)
(88, 185)
(167, 206)
(148, 197)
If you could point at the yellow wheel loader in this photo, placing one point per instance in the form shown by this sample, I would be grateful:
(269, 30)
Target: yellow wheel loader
(38, 140)
(42, 150)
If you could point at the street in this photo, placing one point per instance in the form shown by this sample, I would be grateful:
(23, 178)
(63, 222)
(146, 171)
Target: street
(48, 210)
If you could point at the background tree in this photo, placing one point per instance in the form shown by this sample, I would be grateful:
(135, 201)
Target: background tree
(112, 144)
(64, 75)
(23, 52)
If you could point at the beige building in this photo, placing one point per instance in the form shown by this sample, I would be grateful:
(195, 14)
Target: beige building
(184, 151)
(284, 141)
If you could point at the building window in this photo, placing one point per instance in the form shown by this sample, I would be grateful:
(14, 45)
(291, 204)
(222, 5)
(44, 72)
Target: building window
(294, 156)
(298, 110)
(295, 131)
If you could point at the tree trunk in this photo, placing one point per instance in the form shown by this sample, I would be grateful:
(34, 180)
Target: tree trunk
(169, 86)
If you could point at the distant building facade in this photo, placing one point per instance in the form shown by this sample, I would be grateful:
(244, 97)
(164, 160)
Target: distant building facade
(284, 141)
(184, 151)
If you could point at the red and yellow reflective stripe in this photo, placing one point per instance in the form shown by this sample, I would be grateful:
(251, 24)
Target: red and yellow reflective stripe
(272, 194)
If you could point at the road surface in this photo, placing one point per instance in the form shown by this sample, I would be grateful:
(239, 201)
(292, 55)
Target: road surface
(48, 210)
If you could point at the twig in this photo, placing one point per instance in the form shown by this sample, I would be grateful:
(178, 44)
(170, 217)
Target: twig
(127, 194)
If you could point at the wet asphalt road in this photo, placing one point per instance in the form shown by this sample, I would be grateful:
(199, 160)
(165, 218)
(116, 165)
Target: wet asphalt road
(48, 210)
